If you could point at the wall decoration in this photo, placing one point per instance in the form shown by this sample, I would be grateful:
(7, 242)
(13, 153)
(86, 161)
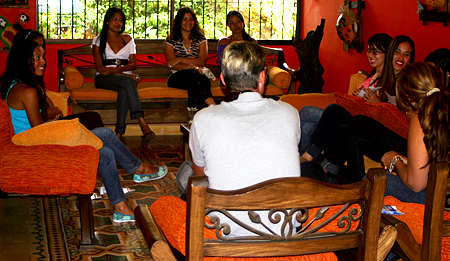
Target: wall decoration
(7, 33)
(349, 24)
(14, 3)
(429, 12)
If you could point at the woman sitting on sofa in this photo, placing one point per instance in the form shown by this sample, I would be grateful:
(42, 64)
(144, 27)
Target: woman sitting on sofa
(23, 88)
(115, 57)
(186, 51)
(335, 118)
(235, 21)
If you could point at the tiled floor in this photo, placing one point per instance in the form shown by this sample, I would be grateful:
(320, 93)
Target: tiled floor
(23, 230)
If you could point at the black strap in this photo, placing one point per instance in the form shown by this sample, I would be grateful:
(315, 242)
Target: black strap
(117, 62)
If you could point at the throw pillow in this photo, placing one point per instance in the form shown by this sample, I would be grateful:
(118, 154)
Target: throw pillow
(390, 116)
(279, 77)
(354, 105)
(59, 99)
(62, 132)
(73, 79)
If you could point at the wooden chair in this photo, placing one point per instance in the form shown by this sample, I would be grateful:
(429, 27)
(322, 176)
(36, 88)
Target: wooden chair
(321, 207)
(434, 226)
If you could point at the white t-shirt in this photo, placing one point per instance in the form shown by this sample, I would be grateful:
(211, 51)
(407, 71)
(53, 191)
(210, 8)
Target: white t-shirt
(245, 142)
(123, 54)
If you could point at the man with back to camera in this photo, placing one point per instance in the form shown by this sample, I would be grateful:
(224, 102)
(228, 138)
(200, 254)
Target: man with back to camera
(248, 140)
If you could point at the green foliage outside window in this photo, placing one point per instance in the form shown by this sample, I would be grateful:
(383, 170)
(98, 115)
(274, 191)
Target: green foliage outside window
(150, 19)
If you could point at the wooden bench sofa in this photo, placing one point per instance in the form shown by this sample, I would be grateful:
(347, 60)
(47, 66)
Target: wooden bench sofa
(161, 104)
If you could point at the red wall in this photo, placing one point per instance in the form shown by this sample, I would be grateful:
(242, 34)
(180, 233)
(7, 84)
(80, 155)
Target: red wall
(379, 16)
(394, 18)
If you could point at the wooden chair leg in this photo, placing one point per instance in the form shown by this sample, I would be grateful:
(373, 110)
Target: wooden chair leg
(87, 221)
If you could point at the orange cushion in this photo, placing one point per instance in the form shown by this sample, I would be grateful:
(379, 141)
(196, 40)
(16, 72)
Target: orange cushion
(385, 113)
(354, 105)
(390, 116)
(321, 100)
(169, 213)
(413, 217)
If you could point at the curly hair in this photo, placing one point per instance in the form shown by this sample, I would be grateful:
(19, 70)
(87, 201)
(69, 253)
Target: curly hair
(104, 33)
(414, 85)
(196, 32)
(387, 80)
(20, 66)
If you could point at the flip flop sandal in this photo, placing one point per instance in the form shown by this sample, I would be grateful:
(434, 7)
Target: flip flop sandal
(148, 135)
(95, 196)
(126, 190)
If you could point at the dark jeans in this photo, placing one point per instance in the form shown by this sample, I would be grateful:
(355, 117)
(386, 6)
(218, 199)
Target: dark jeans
(363, 137)
(197, 85)
(89, 119)
(127, 97)
(332, 123)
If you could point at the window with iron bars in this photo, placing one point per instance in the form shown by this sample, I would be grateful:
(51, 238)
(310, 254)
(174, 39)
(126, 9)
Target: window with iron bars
(150, 19)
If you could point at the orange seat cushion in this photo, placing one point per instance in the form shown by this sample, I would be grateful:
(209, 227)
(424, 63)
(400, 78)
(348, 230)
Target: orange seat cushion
(413, 217)
(169, 213)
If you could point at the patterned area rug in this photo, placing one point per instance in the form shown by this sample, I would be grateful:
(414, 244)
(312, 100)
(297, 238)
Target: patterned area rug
(124, 241)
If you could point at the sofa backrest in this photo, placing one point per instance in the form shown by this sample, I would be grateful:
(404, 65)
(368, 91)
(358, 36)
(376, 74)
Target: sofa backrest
(6, 128)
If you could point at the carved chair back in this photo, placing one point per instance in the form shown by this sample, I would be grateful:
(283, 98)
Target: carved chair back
(284, 200)
(434, 226)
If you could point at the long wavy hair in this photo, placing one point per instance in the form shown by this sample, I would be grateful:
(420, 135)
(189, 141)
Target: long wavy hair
(441, 59)
(413, 85)
(245, 35)
(104, 33)
(196, 32)
(387, 80)
(28, 35)
(20, 66)
(381, 43)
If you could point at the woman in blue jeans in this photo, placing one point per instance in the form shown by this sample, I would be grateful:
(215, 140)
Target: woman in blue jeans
(115, 57)
(23, 89)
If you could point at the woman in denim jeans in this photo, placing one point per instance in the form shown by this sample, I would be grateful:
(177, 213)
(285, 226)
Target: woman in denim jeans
(23, 89)
(115, 57)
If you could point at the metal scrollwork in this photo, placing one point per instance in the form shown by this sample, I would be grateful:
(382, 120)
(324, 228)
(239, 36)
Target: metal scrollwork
(271, 59)
(286, 220)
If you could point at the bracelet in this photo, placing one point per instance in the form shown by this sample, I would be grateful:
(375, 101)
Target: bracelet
(394, 160)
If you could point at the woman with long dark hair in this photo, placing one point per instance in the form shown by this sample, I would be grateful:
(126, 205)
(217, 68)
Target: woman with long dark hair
(235, 21)
(186, 51)
(115, 57)
(24, 92)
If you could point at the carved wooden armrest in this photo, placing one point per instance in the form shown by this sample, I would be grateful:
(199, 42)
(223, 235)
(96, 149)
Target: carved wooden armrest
(159, 247)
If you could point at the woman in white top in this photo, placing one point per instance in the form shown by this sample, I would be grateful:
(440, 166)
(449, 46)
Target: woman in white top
(115, 57)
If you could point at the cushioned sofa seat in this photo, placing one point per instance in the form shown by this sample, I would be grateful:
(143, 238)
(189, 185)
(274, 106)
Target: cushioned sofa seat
(159, 89)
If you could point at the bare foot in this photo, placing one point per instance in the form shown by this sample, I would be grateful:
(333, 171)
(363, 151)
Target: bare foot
(146, 169)
(307, 157)
(123, 208)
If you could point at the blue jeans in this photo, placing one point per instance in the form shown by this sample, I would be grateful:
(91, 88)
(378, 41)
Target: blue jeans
(396, 188)
(309, 119)
(127, 97)
(114, 150)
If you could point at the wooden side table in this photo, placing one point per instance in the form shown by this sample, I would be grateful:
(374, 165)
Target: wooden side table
(184, 128)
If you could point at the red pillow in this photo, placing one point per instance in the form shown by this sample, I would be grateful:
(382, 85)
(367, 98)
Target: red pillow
(353, 104)
(390, 116)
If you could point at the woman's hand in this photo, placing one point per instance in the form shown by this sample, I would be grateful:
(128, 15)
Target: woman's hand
(107, 70)
(371, 96)
(173, 62)
(54, 113)
(387, 158)
(357, 91)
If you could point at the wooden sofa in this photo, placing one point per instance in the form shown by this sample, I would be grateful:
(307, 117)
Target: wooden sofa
(161, 104)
